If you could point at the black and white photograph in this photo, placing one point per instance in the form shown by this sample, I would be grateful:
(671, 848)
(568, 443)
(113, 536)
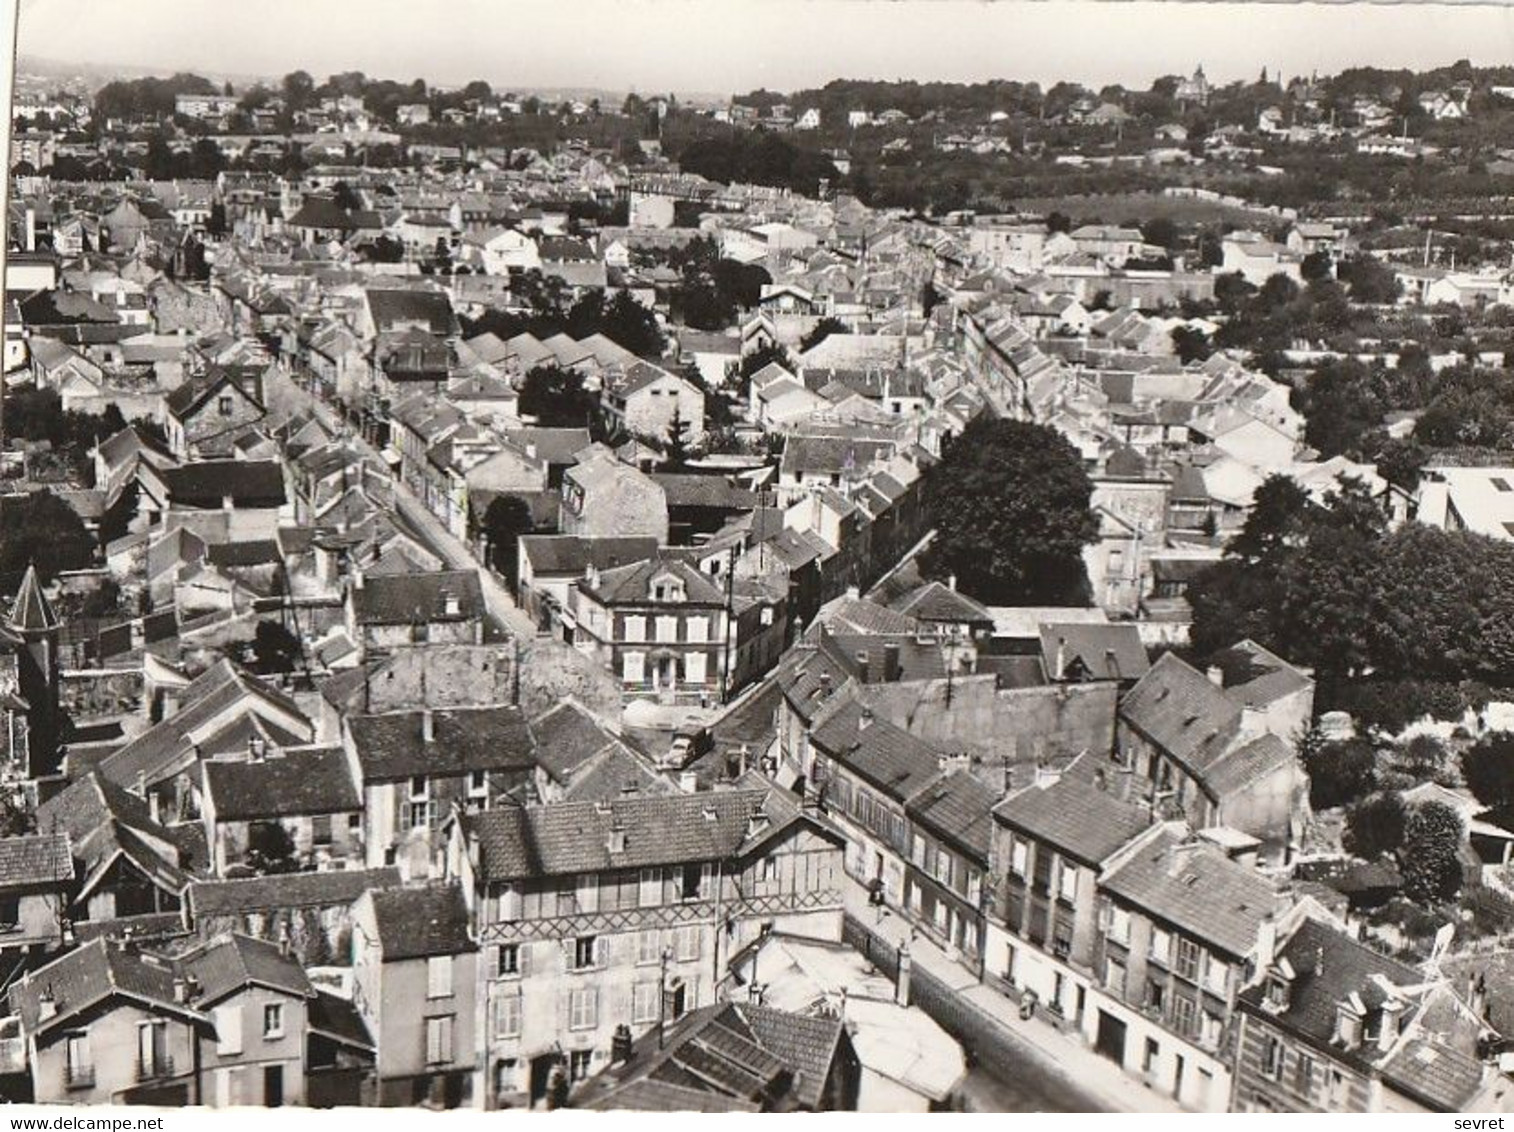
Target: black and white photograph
(756, 556)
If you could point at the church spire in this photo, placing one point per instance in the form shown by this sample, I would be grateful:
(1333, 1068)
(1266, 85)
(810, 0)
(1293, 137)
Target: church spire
(32, 613)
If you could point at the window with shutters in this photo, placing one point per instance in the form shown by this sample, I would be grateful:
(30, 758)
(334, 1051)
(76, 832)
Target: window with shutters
(1185, 1015)
(695, 667)
(1019, 857)
(507, 1016)
(636, 629)
(698, 629)
(509, 904)
(1272, 1058)
(667, 629)
(649, 891)
(688, 942)
(1303, 1082)
(1186, 959)
(228, 1020)
(478, 784)
(320, 829)
(585, 951)
(648, 947)
(1161, 945)
(1067, 882)
(507, 964)
(587, 894)
(439, 976)
(633, 667)
(1119, 925)
(438, 1040)
(583, 1008)
(1216, 974)
(644, 1003)
(273, 1020)
(691, 882)
(1114, 977)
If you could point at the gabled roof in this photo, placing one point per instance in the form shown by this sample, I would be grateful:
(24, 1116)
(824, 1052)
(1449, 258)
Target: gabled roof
(207, 484)
(633, 584)
(233, 961)
(958, 808)
(1104, 652)
(416, 923)
(1191, 885)
(1182, 711)
(567, 838)
(339, 887)
(94, 974)
(43, 859)
(1074, 816)
(885, 756)
(418, 598)
(307, 782)
(392, 746)
(937, 602)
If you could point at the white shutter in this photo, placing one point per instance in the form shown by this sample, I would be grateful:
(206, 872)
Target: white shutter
(694, 667)
(699, 630)
(633, 669)
(601, 951)
(228, 1029)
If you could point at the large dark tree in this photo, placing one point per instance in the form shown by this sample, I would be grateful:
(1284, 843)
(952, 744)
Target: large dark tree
(507, 518)
(822, 330)
(1429, 856)
(1488, 769)
(1010, 504)
(556, 397)
(1375, 826)
(40, 529)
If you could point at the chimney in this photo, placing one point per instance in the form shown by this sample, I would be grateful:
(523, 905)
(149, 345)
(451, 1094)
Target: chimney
(853, 592)
(756, 823)
(141, 787)
(531, 449)
(1216, 675)
(451, 605)
(1047, 776)
(428, 726)
(1393, 1016)
(257, 747)
(905, 964)
(951, 582)
(825, 684)
(620, 1045)
(357, 578)
(181, 990)
(890, 663)
(1266, 943)
(1059, 666)
(617, 839)
(861, 658)
(688, 782)
(47, 1005)
(228, 503)
(865, 719)
(152, 808)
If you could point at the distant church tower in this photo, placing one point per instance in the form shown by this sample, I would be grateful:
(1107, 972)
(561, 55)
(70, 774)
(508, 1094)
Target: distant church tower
(34, 628)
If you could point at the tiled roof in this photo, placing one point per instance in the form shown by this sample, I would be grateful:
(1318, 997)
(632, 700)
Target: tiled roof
(1195, 887)
(38, 859)
(615, 772)
(1237, 769)
(292, 890)
(31, 611)
(393, 746)
(227, 964)
(1445, 1078)
(418, 598)
(632, 584)
(90, 975)
(937, 602)
(1255, 676)
(414, 923)
(1075, 817)
(848, 614)
(309, 781)
(566, 838)
(1182, 711)
(391, 307)
(692, 490)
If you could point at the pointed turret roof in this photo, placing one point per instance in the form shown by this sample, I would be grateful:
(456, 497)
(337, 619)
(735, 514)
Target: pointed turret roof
(32, 613)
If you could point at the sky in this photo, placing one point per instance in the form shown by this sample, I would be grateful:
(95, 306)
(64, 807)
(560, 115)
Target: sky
(722, 46)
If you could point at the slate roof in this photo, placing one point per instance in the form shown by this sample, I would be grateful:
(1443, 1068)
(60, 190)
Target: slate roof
(1075, 817)
(1182, 711)
(1241, 766)
(335, 1017)
(1255, 676)
(292, 890)
(693, 490)
(1329, 966)
(885, 756)
(233, 961)
(1193, 886)
(418, 598)
(392, 746)
(566, 838)
(392, 307)
(937, 602)
(1443, 1077)
(567, 737)
(43, 859)
(632, 585)
(1106, 652)
(301, 782)
(31, 611)
(571, 554)
(862, 615)
(415, 923)
(958, 808)
(90, 975)
(207, 483)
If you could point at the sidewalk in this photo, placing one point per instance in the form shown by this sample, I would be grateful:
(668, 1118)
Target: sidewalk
(1054, 1051)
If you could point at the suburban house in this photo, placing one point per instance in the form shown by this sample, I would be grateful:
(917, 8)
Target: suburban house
(647, 400)
(389, 611)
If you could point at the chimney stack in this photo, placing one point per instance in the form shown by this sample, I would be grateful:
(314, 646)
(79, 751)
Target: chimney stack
(865, 719)
(1393, 1013)
(861, 657)
(428, 726)
(891, 663)
(688, 782)
(1216, 675)
(620, 1045)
